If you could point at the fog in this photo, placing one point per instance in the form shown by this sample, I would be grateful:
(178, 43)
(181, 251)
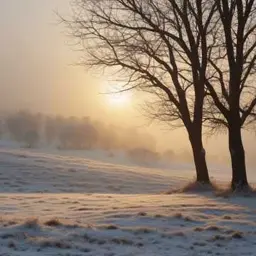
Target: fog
(37, 74)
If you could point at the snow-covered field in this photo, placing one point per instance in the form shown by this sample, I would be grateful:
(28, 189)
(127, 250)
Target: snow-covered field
(62, 203)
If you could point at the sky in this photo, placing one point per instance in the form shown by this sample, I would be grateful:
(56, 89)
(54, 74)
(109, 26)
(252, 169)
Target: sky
(37, 73)
(36, 69)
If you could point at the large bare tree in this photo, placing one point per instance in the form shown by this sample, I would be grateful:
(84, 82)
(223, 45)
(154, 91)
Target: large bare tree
(231, 77)
(158, 47)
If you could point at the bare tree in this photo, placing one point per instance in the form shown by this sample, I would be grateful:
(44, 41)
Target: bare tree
(158, 47)
(231, 78)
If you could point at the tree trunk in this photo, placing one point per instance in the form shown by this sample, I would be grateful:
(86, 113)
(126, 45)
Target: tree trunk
(239, 177)
(202, 174)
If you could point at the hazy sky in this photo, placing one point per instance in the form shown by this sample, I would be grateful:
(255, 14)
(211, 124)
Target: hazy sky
(36, 61)
(37, 64)
(36, 71)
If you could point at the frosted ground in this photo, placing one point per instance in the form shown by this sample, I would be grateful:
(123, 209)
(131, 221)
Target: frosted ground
(88, 203)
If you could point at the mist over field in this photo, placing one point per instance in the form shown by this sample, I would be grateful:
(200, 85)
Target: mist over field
(38, 74)
(37, 131)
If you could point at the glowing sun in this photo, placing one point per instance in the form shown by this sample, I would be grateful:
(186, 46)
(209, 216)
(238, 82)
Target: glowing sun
(119, 99)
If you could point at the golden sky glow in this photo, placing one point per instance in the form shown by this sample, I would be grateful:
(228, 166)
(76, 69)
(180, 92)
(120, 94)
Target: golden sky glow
(115, 97)
(36, 73)
(117, 100)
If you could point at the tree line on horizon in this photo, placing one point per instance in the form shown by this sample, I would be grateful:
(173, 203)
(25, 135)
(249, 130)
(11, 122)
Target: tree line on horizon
(82, 133)
(37, 130)
(72, 132)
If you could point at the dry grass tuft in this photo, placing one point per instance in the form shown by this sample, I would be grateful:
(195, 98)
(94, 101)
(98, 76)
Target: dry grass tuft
(144, 230)
(143, 214)
(179, 215)
(195, 187)
(53, 222)
(212, 228)
(198, 229)
(237, 235)
(109, 227)
(227, 217)
(228, 192)
(218, 238)
(160, 216)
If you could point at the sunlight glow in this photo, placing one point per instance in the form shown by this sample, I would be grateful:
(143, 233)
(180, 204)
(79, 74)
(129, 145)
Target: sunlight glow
(115, 98)
(119, 99)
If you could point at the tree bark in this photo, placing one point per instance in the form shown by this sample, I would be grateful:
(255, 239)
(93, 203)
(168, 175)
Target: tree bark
(202, 174)
(237, 154)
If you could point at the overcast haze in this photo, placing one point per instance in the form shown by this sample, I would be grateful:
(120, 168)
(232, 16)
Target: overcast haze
(36, 72)
(35, 66)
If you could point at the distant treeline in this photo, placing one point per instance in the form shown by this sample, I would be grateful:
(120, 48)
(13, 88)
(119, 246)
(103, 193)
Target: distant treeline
(73, 133)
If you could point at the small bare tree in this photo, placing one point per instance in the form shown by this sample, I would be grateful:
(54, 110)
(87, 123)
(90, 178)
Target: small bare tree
(231, 77)
(158, 47)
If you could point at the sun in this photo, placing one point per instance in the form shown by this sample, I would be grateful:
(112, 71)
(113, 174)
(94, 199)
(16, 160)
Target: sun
(115, 96)
(120, 99)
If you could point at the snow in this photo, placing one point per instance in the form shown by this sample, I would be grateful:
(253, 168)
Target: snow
(85, 203)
